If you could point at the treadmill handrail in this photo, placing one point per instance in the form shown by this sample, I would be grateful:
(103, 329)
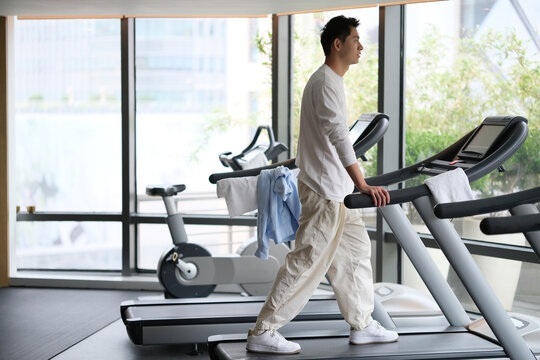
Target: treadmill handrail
(214, 178)
(510, 224)
(518, 135)
(359, 200)
(488, 205)
(373, 136)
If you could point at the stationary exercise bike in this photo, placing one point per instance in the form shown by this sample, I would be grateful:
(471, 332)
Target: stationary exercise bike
(199, 276)
(189, 270)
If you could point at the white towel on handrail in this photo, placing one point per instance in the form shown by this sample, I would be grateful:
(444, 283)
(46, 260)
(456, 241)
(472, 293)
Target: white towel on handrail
(450, 186)
(240, 194)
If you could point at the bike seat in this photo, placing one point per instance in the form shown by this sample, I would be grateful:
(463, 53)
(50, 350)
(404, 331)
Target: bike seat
(164, 190)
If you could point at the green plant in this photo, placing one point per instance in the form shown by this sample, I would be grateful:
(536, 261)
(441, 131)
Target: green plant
(490, 74)
(36, 97)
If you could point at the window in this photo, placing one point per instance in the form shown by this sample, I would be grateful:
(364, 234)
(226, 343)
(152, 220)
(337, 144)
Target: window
(68, 139)
(200, 92)
(467, 60)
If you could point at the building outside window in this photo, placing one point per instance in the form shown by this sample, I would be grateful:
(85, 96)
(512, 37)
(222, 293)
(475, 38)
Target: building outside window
(68, 138)
(201, 91)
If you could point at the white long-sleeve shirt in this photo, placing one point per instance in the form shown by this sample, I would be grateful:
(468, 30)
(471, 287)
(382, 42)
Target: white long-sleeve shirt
(324, 148)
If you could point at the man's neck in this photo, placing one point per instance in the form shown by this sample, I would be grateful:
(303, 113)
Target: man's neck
(338, 67)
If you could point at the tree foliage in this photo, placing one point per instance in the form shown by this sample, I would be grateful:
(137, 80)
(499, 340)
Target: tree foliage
(450, 91)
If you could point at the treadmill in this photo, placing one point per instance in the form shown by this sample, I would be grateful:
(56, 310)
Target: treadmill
(479, 152)
(193, 320)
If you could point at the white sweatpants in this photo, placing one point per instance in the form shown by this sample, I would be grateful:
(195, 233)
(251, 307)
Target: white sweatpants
(330, 239)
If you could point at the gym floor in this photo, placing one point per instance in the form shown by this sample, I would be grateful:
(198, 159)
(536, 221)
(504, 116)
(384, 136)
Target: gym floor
(112, 342)
(62, 324)
(75, 324)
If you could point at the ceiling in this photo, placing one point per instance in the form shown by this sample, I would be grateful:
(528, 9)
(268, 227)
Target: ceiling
(166, 8)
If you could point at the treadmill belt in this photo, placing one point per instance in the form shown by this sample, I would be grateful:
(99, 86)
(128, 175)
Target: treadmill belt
(408, 347)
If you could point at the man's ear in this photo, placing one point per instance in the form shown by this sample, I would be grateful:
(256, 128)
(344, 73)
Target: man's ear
(337, 44)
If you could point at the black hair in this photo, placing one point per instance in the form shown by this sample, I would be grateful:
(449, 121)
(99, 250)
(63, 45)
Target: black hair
(338, 27)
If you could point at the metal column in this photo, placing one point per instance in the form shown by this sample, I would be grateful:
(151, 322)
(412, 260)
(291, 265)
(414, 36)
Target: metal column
(469, 273)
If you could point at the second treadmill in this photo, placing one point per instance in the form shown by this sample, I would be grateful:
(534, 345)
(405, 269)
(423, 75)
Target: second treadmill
(187, 321)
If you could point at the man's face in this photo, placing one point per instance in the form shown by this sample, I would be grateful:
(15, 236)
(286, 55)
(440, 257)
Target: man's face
(352, 48)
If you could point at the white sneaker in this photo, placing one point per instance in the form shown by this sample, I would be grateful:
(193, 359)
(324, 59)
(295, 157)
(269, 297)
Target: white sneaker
(271, 342)
(374, 333)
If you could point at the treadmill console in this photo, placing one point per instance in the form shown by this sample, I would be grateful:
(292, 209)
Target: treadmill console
(364, 125)
(367, 130)
(357, 130)
(482, 142)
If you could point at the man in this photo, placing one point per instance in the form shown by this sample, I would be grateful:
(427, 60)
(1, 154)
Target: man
(331, 239)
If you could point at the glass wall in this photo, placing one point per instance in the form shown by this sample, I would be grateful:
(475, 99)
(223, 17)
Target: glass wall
(361, 80)
(68, 138)
(466, 60)
(203, 86)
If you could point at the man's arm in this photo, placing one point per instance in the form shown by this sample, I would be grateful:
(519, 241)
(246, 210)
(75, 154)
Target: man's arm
(379, 195)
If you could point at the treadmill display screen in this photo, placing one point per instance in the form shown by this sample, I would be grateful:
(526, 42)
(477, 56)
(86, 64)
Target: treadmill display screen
(482, 141)
(356, 130)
